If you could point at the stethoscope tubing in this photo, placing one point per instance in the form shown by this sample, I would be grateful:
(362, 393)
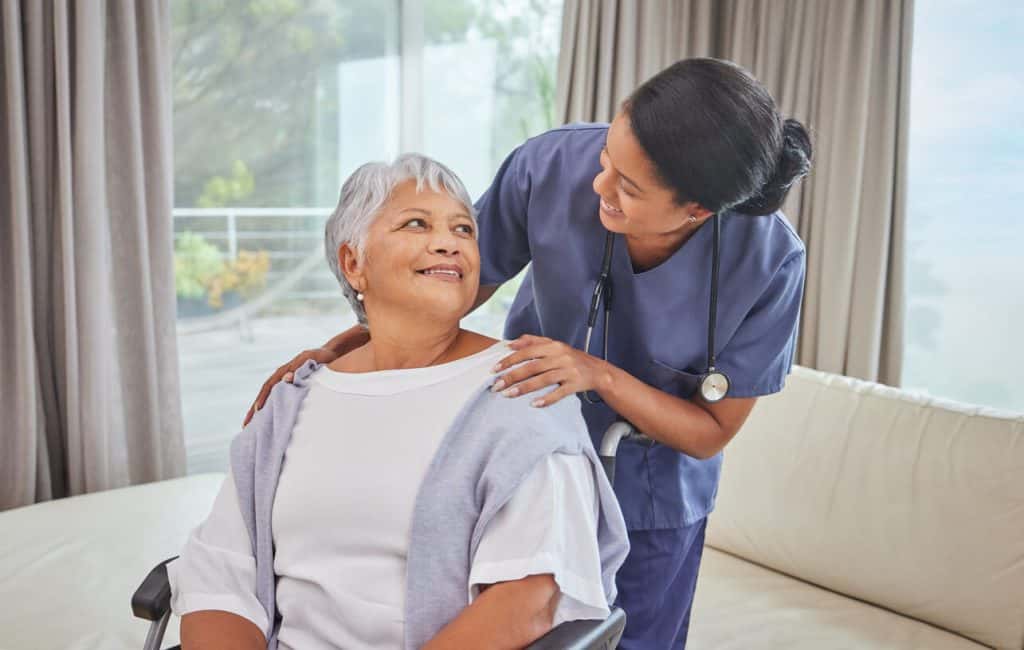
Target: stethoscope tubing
(603, 292)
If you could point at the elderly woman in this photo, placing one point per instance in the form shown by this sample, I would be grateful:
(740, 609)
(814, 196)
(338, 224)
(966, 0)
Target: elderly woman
(390, 499)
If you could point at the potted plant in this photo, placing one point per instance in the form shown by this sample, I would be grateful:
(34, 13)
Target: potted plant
(207, 283)
(196, 262)
(241, 278)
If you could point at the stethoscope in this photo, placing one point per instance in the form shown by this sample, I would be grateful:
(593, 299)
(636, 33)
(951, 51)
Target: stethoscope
(714, 385)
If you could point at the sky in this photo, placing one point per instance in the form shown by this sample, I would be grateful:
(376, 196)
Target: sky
(965, 284)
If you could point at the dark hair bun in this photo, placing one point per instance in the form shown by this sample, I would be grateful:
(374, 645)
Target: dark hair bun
(716, 138)
(794, 163)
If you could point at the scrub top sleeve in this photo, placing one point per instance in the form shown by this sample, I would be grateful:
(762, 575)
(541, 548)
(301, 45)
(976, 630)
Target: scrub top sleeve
(760, 353)
(501, 220)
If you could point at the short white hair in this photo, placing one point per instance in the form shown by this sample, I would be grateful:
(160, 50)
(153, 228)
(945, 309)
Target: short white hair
(364, 194)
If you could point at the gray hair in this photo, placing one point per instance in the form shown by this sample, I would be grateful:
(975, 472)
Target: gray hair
(364, 194)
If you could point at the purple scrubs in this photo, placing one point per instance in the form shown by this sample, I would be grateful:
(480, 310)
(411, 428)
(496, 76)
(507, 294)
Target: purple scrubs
(541, 208)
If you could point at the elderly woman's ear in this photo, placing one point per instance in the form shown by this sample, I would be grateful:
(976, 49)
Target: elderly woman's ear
(351, 266)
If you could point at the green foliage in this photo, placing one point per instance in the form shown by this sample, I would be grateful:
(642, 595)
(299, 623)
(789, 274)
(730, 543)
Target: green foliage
(246, 274)
(196, 263)
(244, 85)
(447, 21)
(248, 77)
(274, 8)
(201, 271)
(525, 33)
(234, 190)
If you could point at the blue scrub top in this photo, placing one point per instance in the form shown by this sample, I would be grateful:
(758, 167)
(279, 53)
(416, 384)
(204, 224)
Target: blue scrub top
(542, 208)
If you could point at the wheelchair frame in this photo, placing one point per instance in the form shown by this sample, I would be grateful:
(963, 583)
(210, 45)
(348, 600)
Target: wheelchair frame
(152, 600)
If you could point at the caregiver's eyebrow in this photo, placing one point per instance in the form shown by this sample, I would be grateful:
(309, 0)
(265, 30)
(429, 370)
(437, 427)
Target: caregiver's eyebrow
(621, 175)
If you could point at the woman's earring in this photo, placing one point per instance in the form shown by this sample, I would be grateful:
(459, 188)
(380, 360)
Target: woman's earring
(359, 297)
(693, 219)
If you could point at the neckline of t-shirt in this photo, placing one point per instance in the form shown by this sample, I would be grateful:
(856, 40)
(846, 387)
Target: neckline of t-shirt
(388, 382)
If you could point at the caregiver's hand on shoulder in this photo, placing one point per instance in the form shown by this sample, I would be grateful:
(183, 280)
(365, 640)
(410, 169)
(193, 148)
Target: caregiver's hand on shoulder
(287, 373)
(549, 362)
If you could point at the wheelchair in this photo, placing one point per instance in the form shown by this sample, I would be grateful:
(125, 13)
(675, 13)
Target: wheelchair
(152, 600)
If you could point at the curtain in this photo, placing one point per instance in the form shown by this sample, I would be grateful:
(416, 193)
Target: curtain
(87, 305)
(842, 69)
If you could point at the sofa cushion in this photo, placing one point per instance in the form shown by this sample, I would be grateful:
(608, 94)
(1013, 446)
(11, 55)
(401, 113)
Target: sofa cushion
(741, 606)
(68, 568)
(895, 499)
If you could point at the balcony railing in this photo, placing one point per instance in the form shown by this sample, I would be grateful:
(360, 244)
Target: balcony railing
(293, 241)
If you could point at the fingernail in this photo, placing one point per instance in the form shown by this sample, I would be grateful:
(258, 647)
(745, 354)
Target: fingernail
(537, 402)
(511, 392)
(496, 367)
(289, 377)
(498, 385)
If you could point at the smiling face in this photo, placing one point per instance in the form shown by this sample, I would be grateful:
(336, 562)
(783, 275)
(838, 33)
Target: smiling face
(420, 258)
(634, 200)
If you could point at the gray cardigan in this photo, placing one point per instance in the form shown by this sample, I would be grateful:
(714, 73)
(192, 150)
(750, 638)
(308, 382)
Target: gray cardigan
(490, 448)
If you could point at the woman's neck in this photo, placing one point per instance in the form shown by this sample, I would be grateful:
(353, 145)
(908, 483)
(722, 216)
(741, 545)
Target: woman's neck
(411, 347)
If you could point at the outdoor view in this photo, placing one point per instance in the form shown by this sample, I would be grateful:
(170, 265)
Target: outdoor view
(964, 279)
(275, 103)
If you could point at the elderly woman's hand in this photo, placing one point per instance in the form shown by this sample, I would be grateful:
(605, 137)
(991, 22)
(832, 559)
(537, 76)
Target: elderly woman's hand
(287, 373)
(550, 362)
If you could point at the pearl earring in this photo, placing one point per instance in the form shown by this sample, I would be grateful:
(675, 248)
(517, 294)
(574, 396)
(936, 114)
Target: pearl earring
(359, 297)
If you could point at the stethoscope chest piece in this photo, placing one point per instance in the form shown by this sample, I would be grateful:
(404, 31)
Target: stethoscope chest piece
(714, 386)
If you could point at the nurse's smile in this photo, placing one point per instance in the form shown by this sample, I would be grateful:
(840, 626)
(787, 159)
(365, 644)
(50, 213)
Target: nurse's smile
(610, 210)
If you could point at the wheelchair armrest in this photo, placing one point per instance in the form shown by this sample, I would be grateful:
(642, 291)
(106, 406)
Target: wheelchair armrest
(584, 635)
(153, 597)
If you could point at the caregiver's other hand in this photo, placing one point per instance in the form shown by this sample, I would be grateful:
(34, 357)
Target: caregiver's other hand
(287, 373)
(549, 362)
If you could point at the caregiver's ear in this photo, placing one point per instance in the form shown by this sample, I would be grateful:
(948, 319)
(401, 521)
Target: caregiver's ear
(696, 210)
(351, 266)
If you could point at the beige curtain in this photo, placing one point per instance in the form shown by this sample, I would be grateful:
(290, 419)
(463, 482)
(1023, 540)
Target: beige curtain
(87, 310)
(841, 68)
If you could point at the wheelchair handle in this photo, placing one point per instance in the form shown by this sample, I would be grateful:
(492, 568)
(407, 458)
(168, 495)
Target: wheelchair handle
(615, 434)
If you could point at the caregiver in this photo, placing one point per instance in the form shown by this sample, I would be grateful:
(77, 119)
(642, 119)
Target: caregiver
(700, 142)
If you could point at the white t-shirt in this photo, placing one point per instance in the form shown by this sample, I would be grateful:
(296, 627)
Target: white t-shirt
(342, 514)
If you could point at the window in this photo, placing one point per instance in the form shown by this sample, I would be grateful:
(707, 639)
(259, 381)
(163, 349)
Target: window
(965, 286)
(275, 103)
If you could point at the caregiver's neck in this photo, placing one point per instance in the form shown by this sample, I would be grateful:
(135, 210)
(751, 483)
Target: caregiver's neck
(649, 251)
(399, 344)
